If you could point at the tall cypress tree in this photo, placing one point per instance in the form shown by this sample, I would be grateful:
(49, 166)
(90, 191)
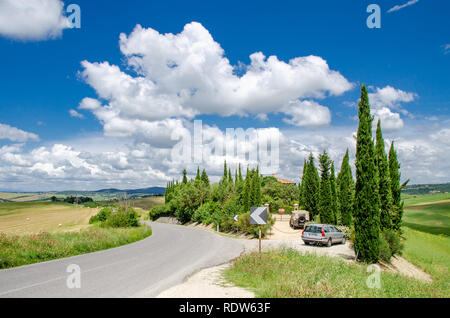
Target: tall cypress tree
(310, 188)
(366, 210)
(333, 194)
(197, 177)
(345, 192)
(300, 185)
(257, 188)
(247, 190)
(185, 176)
(394, 172)
(230, 177)
(325, 198)
(240, 174)
(384, 186)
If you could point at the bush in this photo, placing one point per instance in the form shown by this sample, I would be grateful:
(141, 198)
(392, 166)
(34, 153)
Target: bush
(159, 211)
(204, 214)
(385, 251)
(393, 240)
(100, 216)
(348, 231)
(122, 218)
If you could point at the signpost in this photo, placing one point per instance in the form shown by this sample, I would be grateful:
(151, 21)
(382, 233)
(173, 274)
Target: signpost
(258, 215)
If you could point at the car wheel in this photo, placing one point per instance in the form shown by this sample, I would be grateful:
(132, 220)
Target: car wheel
(329, 243)
(343, 240)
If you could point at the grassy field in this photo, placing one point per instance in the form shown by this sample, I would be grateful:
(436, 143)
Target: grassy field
(35, 217)
(431, 253)
(287, 273)
(16, 250)
(22, 197)
(428, 213)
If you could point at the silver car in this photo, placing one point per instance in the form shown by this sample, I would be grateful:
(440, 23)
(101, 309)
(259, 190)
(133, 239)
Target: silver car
(324, 234)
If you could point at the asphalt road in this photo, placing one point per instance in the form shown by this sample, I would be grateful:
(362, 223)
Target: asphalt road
(141, 269)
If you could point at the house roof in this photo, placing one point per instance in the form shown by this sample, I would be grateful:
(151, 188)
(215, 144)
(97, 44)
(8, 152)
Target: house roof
(284, 181)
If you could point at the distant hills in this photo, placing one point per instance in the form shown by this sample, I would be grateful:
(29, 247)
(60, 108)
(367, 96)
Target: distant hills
(115, 193)
(426, 188)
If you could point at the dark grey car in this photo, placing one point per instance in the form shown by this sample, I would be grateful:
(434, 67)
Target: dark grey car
(324, 234)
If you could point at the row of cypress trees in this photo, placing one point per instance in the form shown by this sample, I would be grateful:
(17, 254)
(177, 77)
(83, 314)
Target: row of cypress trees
(373, 204)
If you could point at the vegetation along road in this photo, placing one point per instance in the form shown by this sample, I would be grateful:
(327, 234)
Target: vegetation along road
(141, 269)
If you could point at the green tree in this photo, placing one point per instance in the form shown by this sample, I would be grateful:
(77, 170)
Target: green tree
(230, 177)
(325, 205)
(225, 173)
(197, 177)
(300, 185)
(345, 192)
(333, 193)
(384, 186)
(366, 209)
(394, 172)
(185, 180)
(204, 177)
(310, 188)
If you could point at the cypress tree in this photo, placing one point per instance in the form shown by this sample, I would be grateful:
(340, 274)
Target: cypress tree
(300, 185)
(366, 209)
(240, 174)
(384, 187)
(325, 197)
(333, 193)
(345, 192)
(310, 188)
(204, 177)
(394, 172)
(230, 177)
(197, 177)
(185, 176)
(246, 194)
(225, 176)
(257, 188)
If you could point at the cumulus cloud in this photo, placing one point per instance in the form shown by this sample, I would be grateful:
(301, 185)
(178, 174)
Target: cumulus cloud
(76, 114)
(307, 113)
(402, 6)
(179, 76)
(384, 100)
(15, 134)
(32, 19)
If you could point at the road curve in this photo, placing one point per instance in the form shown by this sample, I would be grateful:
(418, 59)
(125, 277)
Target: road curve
(141, 269)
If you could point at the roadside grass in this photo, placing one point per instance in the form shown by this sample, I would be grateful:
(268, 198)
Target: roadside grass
(431, 253)
(17, 250)
(35, 217)
(286, 273)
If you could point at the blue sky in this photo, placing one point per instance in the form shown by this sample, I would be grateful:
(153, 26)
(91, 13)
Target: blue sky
(42, 80)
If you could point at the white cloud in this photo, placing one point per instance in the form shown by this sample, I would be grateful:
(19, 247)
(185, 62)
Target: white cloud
(389, 120)
(183, 75)
(32, 19)
(76, 114)
(399, 7)
(15, 134)
(446, 48)
(383, 100)
(307, 113)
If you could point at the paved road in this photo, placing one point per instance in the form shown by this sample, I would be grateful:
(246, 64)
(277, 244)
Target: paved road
(141, 269)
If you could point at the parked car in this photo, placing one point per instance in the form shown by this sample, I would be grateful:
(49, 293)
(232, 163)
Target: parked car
(324, 234)
(298, 219)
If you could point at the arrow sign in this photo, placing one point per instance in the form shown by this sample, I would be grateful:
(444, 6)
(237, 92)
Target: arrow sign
(258, 215)
(236, 218)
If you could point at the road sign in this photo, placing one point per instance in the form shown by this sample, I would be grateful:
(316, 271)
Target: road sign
(258, 215)
(236, 218)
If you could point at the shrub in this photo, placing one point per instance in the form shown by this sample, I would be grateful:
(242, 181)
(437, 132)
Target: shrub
(393, 240)
(203, 213)
(160, 211)
(100, 216)
(385, 251)
(348, 231)
(122, 218)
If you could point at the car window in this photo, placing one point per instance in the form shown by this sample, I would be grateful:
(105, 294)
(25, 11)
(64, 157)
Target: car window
(327, 229)
(337, 230)
(313, 229)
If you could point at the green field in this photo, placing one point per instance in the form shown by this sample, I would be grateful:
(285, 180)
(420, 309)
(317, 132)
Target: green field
(428, 213)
